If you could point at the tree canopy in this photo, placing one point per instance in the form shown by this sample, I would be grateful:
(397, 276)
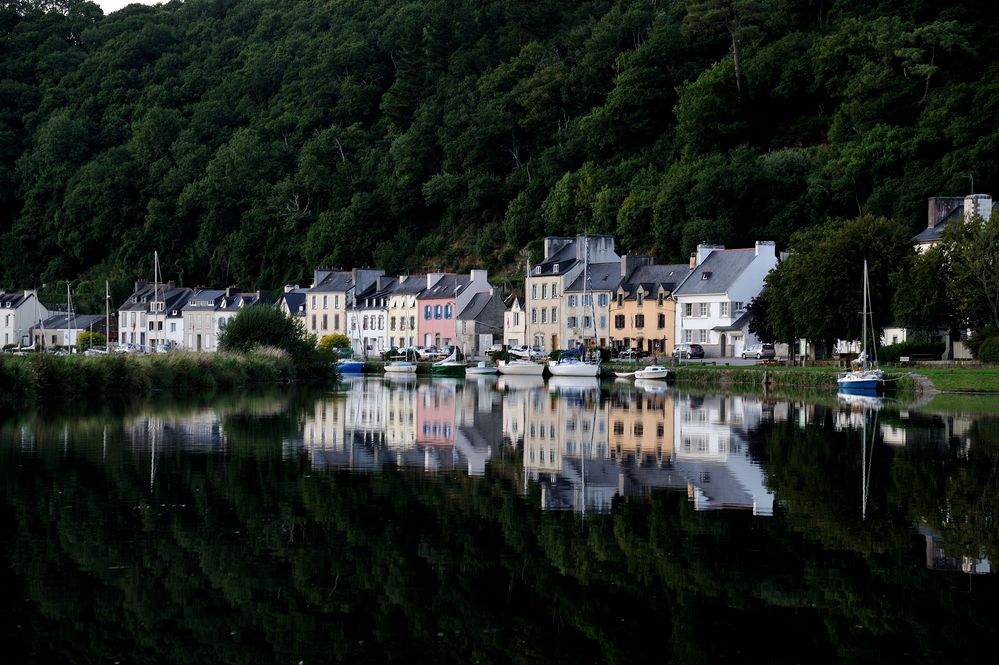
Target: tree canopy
(251, 141)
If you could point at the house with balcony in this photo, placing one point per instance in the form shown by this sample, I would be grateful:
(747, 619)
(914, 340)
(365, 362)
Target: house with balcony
(564, 261)
(642, 312)
(711, 301)
(19, 311)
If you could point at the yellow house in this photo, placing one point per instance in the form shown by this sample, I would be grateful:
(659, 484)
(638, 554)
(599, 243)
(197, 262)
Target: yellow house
(329, 298)
(642, 314)
(403, 310)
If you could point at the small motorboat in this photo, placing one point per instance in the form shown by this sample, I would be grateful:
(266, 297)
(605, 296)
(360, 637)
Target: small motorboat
(481, 369)
(624, 375)
(659, 372)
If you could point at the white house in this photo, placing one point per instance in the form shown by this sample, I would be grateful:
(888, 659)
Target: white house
(711, 301)
(19, 311)
(515, 324)
(153, 315)
(210, 310)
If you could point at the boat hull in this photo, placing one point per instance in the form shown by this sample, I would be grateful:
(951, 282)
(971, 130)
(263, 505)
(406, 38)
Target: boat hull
(655, 372)
(574, 369)
(861, 386)
(449, 369)
(480, 371)
(400, 368)
(350, 367)
(521, 368)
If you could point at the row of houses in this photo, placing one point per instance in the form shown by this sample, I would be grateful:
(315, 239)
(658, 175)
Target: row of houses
(583, 293)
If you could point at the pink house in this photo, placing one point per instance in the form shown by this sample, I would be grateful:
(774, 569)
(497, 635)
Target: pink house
(445, 296)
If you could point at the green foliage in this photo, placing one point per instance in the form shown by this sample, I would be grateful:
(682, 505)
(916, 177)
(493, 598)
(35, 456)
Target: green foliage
(979, 337)
(971, 246)
(261, 326)
(988, 352)
(334, 341)
(249, 142)
(816, 292)
(88, 339)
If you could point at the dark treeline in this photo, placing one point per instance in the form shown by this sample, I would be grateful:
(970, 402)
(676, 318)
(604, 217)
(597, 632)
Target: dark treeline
(250, 141)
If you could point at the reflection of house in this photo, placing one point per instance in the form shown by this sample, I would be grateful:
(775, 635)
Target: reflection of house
(641, 427)
(712, 453)
(938, 559)
(435, 414)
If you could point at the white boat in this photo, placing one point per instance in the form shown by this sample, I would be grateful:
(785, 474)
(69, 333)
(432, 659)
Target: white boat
(866, 377)
(481, 369)
(400, 365)
(521, 368)
(653, 372)
(453, 365)
(571, 365)
(624, 375)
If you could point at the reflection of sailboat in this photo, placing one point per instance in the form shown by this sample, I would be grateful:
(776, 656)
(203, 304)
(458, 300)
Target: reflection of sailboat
(866, 460)
(867, 377)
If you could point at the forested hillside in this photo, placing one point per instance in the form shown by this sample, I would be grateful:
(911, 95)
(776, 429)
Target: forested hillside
(248, 141)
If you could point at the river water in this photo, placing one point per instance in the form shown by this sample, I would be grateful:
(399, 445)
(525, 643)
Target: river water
(499, 520)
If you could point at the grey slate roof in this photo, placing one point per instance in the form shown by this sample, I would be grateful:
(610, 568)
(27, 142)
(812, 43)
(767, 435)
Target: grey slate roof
(295, 301)
(475, 306)
(718, 272)
(934, 233)
(334, 281)
(446, 287)
(12, 300)
(651, 277)
(212, 296)
(564, 258)
(173, 297)
(602, 277)
(413, 286)
(76, 322)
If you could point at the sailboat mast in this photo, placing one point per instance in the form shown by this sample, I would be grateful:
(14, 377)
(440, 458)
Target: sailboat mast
(107, 315)
(69, 310)
(864, 346)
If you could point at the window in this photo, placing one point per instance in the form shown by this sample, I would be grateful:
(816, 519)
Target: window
(402, 322)
(516, 318)
(313, 321)
(412, 323)
(336, 321)
(659, 300)
(448, 311)
(571, 321)
(392, 323)
(325, 322)
(173, 326)
(336, 302)
(364, 323)
(554, 315)
(572, 301)
(555, 268)
(603, 324)
(544, 291)
(438, 311)
(325, 302)
(620, 300)
(544, 315)
(705, 309)
(534, 291)
(662, 321)
(702, 336)
(554, 290)
(688, 309)
(588, 300)
(723, 309)
(313, 302)
(534, 315)
(537, 270)
(639, 320)
(587, 322)
(688, 336)
(737, 306)
(619, 321)
(602, 300)
(426, 313)
(381, 323)
(152, 325)
(706, 275)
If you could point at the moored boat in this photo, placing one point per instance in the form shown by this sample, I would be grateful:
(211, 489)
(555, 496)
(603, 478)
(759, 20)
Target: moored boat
(572, 365)
(521, 368)
(653, 372)
(481, 369)
(450, 366)
(866, 377)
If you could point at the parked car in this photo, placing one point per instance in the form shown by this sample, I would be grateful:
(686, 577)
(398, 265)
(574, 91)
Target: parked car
(688, 351)
(760, 352)
(495, 348)
(530, 352)
(632, 354)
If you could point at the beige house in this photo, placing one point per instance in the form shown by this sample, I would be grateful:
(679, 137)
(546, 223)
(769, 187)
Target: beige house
(403, 310)
(643, 316)
(564, 261)
(331, 295)
(515, 324)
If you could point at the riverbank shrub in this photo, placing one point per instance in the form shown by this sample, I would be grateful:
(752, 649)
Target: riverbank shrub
(988, 352)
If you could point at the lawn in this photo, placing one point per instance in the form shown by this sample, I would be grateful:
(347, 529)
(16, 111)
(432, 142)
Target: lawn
(962, 379)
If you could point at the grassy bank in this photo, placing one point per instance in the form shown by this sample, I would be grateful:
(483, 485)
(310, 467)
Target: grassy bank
(47, 378)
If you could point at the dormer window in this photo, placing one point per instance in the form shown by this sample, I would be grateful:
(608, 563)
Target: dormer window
(537, 270)
(555, 268)
(706, 275)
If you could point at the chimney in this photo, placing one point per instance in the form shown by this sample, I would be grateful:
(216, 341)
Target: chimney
(703, 251)
(479, 276)
(978, 204)
(938, 207)
(553, 244)
(231, 291)
(288, 288)
(433, 278)
(363, 278)
(631, 262)
(766, 248)
(140, 283)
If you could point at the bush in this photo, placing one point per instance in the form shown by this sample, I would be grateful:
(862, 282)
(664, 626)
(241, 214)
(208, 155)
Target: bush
(87, 340)
(334, 341)
(979, 337)
(988, 352)
(262, 326)
(892, 352)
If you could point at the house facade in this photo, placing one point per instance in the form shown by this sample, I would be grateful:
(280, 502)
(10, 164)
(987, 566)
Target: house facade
(63, 330)
(586, 303)
(480, 324)
(19, 311)
(941, 210)
(515, 324)
(563, 262)
(643, 314)
(711, 301)
(331, 296)
(403, 310)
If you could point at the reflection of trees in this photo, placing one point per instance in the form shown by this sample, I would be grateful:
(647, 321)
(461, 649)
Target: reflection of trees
(247, 558)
